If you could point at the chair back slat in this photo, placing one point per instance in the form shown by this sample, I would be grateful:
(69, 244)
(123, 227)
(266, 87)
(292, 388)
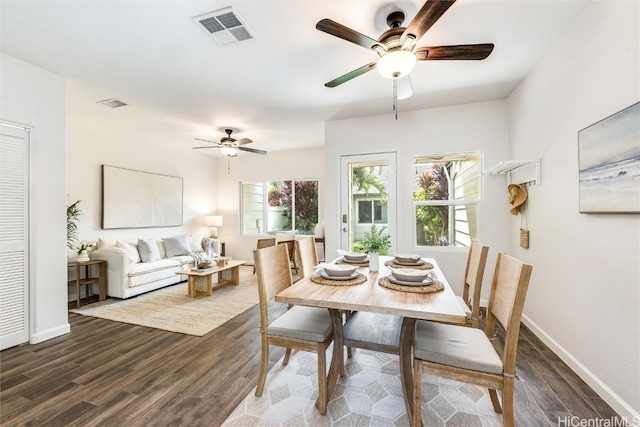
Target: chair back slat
(273, 274)
(307, 254)
(508, 292)
(476, 262)
(265, 243)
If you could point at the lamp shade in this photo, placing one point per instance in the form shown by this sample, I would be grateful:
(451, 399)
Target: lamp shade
(396, 64)
(213, 220)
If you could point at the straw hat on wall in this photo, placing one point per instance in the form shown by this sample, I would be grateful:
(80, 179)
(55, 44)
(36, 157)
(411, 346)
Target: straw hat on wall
(517, 197)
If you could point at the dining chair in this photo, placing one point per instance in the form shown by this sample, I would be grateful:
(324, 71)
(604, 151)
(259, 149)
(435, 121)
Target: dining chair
(288, 239)
(472, 286)
(381, 332)
(467, 354)
(307, 255)
(301, 328)
(264, 243)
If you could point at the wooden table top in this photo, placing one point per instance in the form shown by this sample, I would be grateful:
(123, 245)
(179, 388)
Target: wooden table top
(369, 296)
(206, 272)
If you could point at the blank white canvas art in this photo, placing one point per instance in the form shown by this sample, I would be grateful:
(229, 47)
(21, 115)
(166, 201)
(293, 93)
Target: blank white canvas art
(136, 199)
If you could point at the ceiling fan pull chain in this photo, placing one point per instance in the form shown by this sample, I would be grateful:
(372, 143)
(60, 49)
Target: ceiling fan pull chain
(395, 97)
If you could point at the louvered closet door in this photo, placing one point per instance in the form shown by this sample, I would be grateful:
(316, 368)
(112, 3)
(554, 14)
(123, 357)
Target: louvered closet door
(14, 285)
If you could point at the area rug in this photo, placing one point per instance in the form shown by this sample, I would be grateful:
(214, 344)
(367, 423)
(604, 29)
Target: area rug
(370, 395)
(172, 309)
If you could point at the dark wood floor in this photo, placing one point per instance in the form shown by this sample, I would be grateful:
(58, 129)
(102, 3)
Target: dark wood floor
(107, 373)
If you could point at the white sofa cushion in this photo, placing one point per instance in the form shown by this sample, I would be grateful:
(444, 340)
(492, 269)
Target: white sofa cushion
(148, 250)
(175, 246)
(195, 243)
(149, 267)
(131, 248)
(154, 275)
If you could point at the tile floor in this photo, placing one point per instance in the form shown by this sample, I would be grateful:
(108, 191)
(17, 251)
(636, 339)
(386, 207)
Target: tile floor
(370, 395)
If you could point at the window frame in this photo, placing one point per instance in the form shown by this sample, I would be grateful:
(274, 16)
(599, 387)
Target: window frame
(451, 202)
(265, 206)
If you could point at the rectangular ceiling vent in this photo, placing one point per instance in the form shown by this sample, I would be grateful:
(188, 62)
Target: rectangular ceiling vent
(112, 102)
(225, 26)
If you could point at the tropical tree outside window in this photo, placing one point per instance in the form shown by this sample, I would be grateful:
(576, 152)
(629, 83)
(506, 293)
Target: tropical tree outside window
(446, 194)
(275, 206)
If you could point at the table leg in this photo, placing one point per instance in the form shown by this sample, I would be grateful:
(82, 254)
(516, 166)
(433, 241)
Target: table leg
(407, 336)
(337, 358)
(102, 280)
(192, 286)
(235, 275)
(78, 285)
(209, 282)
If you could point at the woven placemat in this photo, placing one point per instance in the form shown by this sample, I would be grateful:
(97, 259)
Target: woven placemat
(425, 266)
(435, 287)
(358, 280)
(359, 264)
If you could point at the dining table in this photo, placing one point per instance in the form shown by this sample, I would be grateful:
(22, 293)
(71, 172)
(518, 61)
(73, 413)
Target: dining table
(371, 296)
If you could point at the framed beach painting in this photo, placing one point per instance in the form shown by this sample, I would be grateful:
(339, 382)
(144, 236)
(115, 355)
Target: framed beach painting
(609, 159)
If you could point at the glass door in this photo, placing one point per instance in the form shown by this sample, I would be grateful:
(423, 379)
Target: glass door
(368, 198)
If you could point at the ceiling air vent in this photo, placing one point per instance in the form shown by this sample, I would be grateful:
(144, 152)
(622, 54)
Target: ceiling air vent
(224, 26)
(113, 103)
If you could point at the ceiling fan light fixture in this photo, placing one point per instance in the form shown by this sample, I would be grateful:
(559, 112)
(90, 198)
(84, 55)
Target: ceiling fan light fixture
(229, 151)
(396, 64)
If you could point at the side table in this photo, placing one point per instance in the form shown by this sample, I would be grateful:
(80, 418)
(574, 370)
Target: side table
(101, 280)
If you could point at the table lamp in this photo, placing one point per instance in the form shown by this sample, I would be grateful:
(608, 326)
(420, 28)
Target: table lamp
(213, 221)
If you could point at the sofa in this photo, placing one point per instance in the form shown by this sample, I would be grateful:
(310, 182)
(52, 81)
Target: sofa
(138, 266)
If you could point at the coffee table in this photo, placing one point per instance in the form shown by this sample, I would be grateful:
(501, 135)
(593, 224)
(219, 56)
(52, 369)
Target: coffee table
(233, 267)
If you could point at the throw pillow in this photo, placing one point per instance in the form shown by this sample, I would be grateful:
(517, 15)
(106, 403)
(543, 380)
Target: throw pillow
(195, 243)
(148, 250)
(132, 251)
(176, 246)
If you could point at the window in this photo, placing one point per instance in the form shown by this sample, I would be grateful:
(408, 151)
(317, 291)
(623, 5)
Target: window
(371, 211)
(446, 194)
(276, 206)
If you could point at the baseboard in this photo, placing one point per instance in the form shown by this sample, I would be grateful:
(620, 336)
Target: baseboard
(50, 333)
(620, 406)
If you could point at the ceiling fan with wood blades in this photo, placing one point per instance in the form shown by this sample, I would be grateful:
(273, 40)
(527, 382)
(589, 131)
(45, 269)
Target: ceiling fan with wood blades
(230, 146)
(396, 47)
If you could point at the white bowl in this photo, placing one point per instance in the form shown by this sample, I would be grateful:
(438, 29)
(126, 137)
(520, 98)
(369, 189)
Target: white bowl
(339, 270)
(410, 274)
(355, 257)
(406, 258)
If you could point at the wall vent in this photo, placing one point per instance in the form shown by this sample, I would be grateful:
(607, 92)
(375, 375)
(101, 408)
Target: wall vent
(112, 102)
(225, 26)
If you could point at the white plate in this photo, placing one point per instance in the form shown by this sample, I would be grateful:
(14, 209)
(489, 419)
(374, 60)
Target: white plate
(411, 259)
(410, 274)
(428, 281)
(413, 264)
(326, 276)
(365, 260)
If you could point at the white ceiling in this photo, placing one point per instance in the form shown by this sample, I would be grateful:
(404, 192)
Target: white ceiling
(181, 85)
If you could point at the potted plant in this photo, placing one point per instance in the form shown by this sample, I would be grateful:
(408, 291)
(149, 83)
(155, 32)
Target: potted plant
(375, 243)
(73, 215)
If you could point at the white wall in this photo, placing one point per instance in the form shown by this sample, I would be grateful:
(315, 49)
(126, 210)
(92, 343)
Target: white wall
(292, 164)
(584, 298)
(92, 144)
(472, 127)
(36, 98)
